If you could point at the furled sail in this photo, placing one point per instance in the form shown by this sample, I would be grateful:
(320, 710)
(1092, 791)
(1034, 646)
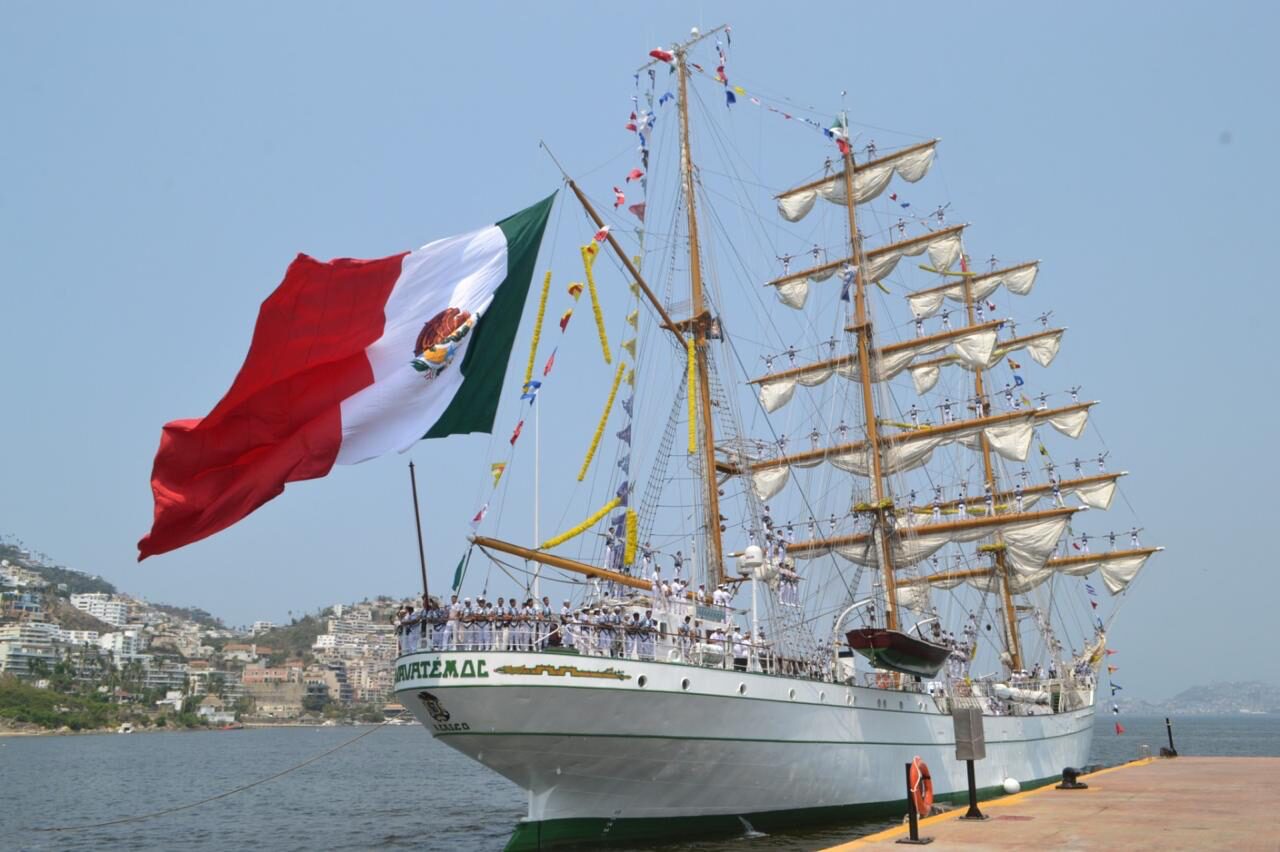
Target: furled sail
(1094, 491)
(1041, 346)
(1118, 568)
(1031, 536)
(973, 344)
(1016, 279)
(869, 180)
(1008, 434)
(944, 247)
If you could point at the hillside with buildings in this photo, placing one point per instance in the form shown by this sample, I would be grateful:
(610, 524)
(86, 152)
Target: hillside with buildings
(107, 657)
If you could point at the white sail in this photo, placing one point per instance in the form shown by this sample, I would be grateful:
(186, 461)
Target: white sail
(971, 347)
(1118, 568)
(1031, 538)
(869, 180)
(1042, 347)
(1094, 494)
(1031, 568)
(1016, 279)
(1009, 435)
(944, 248)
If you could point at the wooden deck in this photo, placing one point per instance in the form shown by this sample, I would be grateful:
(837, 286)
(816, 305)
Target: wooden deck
(1180, 803)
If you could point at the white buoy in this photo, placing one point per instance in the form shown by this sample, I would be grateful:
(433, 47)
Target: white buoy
(1011, 786)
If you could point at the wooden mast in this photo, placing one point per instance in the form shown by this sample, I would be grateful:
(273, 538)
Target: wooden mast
(699, 322)
(862, 326)
(1013, 640)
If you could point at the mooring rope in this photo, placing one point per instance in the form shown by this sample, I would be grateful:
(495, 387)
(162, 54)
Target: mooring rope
(224, 794)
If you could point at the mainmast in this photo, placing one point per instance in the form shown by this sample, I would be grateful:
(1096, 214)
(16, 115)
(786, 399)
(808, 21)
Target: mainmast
(1014, 641)
(862, 327)
(698, 324)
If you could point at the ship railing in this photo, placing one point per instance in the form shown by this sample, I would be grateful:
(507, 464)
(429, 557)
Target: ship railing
(607, 642)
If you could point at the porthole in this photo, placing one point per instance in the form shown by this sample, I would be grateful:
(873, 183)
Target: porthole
(642, 681)
(822, 696)
(684, 684)
(791, 694)
(742, 689)
(848, 699)
(899, 705)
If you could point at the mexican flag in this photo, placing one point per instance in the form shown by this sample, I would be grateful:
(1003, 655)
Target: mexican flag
(351, 359)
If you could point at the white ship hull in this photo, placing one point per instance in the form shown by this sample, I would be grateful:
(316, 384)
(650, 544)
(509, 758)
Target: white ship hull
(614, 748)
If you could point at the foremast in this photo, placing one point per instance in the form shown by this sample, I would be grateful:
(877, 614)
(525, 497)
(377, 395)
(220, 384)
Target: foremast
(698, 324)
(862, 328)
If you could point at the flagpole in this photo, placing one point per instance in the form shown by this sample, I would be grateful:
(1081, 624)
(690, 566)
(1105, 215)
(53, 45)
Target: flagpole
(417, 519)
(537, 482)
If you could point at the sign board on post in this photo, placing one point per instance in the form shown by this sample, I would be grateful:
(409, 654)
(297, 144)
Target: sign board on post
(971, 743)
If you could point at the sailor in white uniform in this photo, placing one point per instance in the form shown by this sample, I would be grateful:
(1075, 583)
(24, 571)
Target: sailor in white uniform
(567, 638)
(546, 623)
(455, 623)
(648, 631)
(631, 634)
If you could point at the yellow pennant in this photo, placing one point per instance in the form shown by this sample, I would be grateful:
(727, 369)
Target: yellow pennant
(496, 469)
(604, 419)
(633, 318)
(633, 524)
(630, 346)
(584, 526)
(537, 330)
(575, 290)
(589, 253)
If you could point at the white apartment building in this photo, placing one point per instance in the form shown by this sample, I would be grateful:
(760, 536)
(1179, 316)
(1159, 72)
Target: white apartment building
(78, 637)
(261, 627)
(24, 642)
(103, 607)
(123, 645)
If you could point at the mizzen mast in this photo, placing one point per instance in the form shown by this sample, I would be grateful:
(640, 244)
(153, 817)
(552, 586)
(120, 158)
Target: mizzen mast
(1014, 641)
(862, 327)
(698, 324)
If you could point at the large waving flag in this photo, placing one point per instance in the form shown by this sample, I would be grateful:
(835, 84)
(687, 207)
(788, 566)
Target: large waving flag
(351, 359)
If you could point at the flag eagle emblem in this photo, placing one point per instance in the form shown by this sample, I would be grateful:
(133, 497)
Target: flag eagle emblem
(438, 341)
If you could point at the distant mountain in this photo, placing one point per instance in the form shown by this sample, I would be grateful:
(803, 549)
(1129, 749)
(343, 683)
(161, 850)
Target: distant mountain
(1224, 697)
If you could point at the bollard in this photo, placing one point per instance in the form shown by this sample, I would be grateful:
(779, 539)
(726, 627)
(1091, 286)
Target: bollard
(1069, 780)
(913, 837)
(973, 812)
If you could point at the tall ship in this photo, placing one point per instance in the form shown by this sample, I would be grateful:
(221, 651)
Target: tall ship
(830, 499)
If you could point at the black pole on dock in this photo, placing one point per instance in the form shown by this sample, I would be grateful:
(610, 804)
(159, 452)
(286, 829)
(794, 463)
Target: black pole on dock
(973, 812)
(913, 836)
(1168, 726)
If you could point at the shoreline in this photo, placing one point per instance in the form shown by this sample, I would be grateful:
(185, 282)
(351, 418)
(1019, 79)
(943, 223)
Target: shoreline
(66, 732)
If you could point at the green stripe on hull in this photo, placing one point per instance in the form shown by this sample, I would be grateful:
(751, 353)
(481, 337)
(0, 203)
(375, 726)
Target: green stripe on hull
(595, 832)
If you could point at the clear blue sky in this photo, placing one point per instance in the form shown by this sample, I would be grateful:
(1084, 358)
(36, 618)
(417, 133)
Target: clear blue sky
(162, 163)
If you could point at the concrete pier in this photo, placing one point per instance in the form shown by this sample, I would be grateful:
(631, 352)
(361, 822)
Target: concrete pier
(1178, 803)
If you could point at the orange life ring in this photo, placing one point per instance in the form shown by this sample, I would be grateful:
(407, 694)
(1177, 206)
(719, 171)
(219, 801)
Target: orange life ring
(921, 786)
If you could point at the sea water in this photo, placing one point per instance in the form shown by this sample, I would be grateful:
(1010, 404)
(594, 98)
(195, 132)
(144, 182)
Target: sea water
(395, 788)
